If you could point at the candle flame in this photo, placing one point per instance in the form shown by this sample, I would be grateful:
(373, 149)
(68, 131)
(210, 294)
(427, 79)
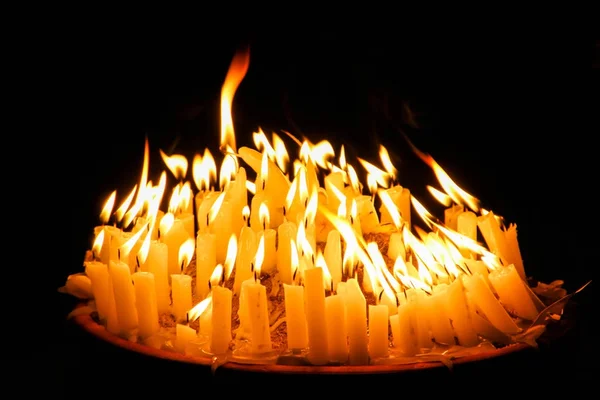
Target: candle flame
(384, 155)
(98, 242)
(216, 278)
(204, 170)
(235, 75)
(186, 252)
(176, 163)
(142, 254)
(263, 216)
(259, 257)
(108, 206)
(232, 249)
(195, 312)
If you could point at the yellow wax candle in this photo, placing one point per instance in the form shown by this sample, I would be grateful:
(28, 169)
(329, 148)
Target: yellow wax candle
(356, 312)
(221, 320)
(110, 244)
(423, 323)
(184, 335)
(206, 261)
(247, 246)
(378, 331)
(174, 237)
(270, 240)
(466, 224)
(489, 304)
(451, 215)
(203, 209)
(396, 246)
(157, 263)
(188, 221)
(400, 196)
(333, 256)
(124, 293)
(295, 317)
(205, 322)
(404, 329)
(277, 184)
(334, 181)
(258, 315)
(512, 292)
(103, 294)
(318, 352)
(181, 292)
(441, 327)
(369, 219)
(493, 234)
(286, 232)
(479, 267)
(222, 228)
(337, 341)
(482, 326)
(146, 305)
(513, 255)
(275, 211)
(458, 312)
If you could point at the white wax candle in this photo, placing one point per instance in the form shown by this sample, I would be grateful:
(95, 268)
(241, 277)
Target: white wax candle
(295, 317)
(184, 335)
(146, 305)
(404, 329)
(110, 243)
(356, 312)
(181, 292)
(378, 331)
(221, 320)
(103, 294)
(458, 312)
(222, 228)
(369, 219)
(157, 263)
(174, 238)
(318, 352)
(124, 293)
(493, 235)
(286, 232)
(203, 209)
(396, 246)
(337, 341)
(206, 261)
(441, 327)
(188, 223)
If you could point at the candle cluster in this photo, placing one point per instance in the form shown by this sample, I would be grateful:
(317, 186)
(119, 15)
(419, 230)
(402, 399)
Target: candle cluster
(360, 282)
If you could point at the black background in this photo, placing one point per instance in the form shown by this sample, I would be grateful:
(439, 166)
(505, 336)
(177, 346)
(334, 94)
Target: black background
(504, 115)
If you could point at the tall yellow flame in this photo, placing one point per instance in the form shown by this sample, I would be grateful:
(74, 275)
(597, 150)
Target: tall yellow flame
(235, 75)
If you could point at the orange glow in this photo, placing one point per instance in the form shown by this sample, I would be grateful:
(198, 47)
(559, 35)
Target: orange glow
(176, 163)
(186, 252)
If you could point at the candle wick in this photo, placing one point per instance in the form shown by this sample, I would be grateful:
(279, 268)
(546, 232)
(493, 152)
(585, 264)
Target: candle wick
(284, 211)
(119, 254)
(207, 220)
(264, 184)
(137, 262)
(182, 264)
(252, 267)
(255, 277)
(209, 285)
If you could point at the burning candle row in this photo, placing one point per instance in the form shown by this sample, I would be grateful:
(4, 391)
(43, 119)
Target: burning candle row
(348, 298)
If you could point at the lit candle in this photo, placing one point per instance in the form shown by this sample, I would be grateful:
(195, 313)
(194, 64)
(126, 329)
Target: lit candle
(489, 304)
(369, 219)
(400, 197)
(221, 224)
(247, 247)
(270, 240)
(458, 312)
(203, 209)
(181, 283)
(441, 327)
(173, 234)
(404, 329)
(221, 320)
(184, 335)
(146, 305)
(124, 293)
(286, 234)
(493, 235)
(337, 340)
(318, 352)
(512, 292)
(513, 255)
(157, 263)
(356, 312)
(333, 256)
(378, 331)
(206, 261)
(103, 294)
(258, 315)
(110, 243)
(295, 317)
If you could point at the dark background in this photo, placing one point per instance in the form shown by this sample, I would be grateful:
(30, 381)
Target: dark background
(504, 115)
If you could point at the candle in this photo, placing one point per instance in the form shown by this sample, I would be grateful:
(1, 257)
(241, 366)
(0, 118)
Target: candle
(493, 235)
(269, 236)
(333, 256)
(247, 246)
(315, 316)
(157, 263)
(173, 234)
(487, 302)
(110, 243)
(124, 293)
(513, 292)
(146, 304)
(103, 294)
(183, 336)
(378, 331)
(400, 197)
(286, 233)
(513, 255)
(295, 317)
(451, 214)
(181, 292)
(221, 224)
(206, 261)
(404, 329)
(337, 340)
(221, 320)
(258, 316)
(441, 327)
(356, 312)
(458, 312)
(206, 202)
